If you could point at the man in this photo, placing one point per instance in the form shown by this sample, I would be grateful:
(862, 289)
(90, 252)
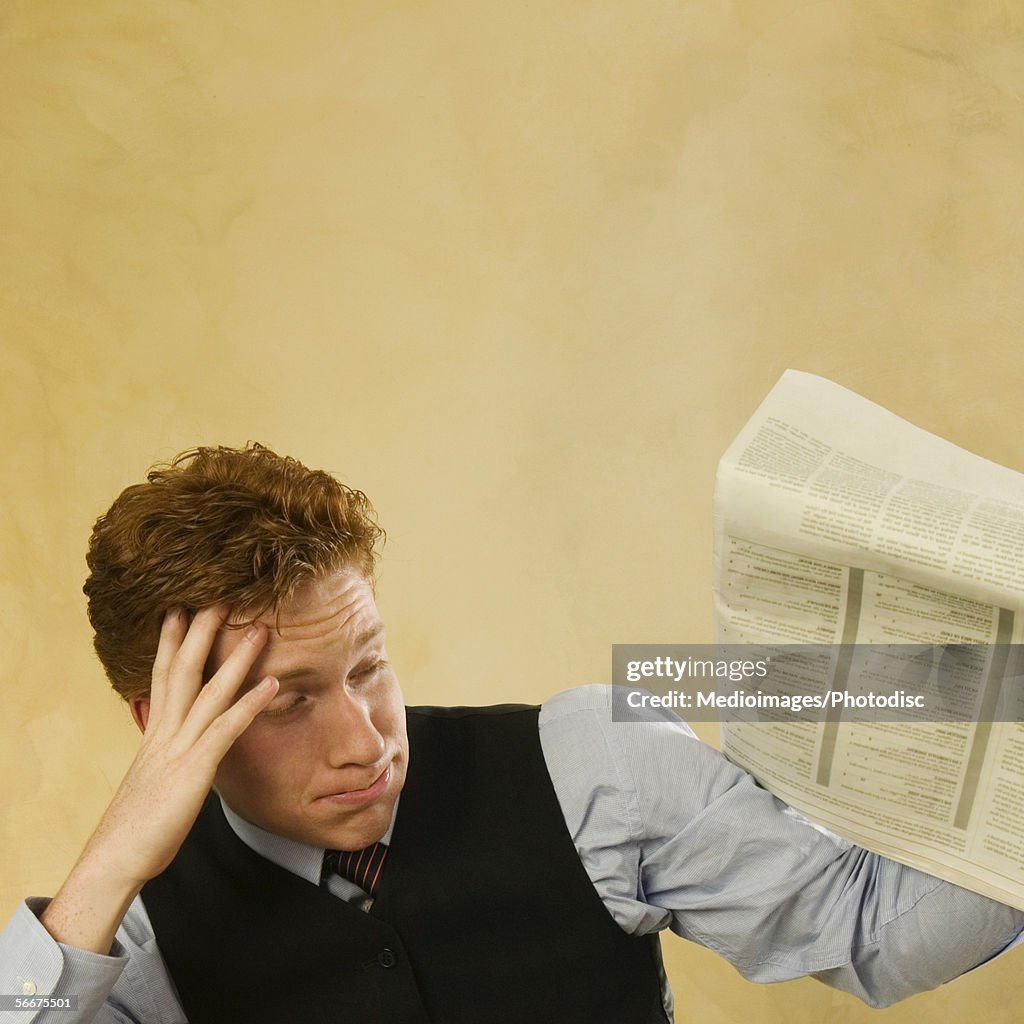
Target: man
(360, 861)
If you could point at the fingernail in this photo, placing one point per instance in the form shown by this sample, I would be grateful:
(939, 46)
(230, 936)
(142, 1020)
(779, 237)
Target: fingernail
(266, 684)
(251, 631)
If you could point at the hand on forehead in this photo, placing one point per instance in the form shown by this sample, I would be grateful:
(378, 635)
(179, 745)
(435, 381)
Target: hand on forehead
(338, 607)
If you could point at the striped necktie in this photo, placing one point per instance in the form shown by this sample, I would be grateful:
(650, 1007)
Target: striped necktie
(359, 866)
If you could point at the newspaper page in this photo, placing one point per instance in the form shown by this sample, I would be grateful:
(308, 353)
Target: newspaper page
(841, 525)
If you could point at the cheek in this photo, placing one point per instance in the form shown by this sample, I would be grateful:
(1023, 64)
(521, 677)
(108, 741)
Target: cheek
(396, 725)
(257, 762)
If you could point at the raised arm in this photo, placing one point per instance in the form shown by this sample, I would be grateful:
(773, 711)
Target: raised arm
(674, 836)
(189, 728)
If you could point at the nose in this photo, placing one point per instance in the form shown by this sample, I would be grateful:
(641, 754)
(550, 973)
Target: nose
(352, 738)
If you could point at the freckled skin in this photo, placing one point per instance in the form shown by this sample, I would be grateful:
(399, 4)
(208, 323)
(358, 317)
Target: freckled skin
(319, 757)
(337, 724)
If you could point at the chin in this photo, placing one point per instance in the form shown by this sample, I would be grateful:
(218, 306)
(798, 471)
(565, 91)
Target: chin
(357, 835)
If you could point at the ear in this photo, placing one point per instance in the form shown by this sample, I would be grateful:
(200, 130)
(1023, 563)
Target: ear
(140, 711)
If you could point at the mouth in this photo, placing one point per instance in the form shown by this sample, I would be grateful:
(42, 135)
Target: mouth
(360, 797)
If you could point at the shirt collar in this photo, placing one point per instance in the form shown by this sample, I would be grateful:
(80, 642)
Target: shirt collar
(298, 858)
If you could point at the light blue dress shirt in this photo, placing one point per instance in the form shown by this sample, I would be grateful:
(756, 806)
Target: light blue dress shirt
(673, 837)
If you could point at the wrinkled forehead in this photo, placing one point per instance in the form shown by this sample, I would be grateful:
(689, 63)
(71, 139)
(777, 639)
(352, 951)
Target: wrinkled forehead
(340, 604)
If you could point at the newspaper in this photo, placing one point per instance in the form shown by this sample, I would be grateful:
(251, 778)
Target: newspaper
(837, 522)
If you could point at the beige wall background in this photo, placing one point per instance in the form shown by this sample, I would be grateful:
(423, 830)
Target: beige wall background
(518, 271)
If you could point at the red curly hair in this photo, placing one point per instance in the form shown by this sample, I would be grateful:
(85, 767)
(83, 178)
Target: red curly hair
(243, 526)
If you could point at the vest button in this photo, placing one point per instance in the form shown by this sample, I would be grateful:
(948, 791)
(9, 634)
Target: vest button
(386, 958)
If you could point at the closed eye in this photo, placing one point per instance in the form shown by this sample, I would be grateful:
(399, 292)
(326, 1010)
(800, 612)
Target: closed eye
(370, 670)
(296, 700)
(365, 673)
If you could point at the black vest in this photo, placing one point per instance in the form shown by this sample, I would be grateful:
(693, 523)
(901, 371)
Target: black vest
(485, 914)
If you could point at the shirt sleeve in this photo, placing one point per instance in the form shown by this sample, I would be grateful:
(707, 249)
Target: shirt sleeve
(33, 963)
(674, 836)
(129, 986)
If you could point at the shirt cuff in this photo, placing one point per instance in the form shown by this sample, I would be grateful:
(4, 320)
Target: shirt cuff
(32, 962)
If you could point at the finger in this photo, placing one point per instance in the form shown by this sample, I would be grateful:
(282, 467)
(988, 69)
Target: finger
(185, 675)
(222, 689)
(216, 740)
(172, 633)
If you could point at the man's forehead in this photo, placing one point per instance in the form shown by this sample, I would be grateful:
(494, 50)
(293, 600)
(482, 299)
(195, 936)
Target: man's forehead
(340, 601)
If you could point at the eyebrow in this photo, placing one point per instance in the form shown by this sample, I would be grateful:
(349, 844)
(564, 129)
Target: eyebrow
(361, 640)
(369, 634)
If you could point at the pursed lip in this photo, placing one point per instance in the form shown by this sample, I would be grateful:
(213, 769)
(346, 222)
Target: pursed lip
(359, 797)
